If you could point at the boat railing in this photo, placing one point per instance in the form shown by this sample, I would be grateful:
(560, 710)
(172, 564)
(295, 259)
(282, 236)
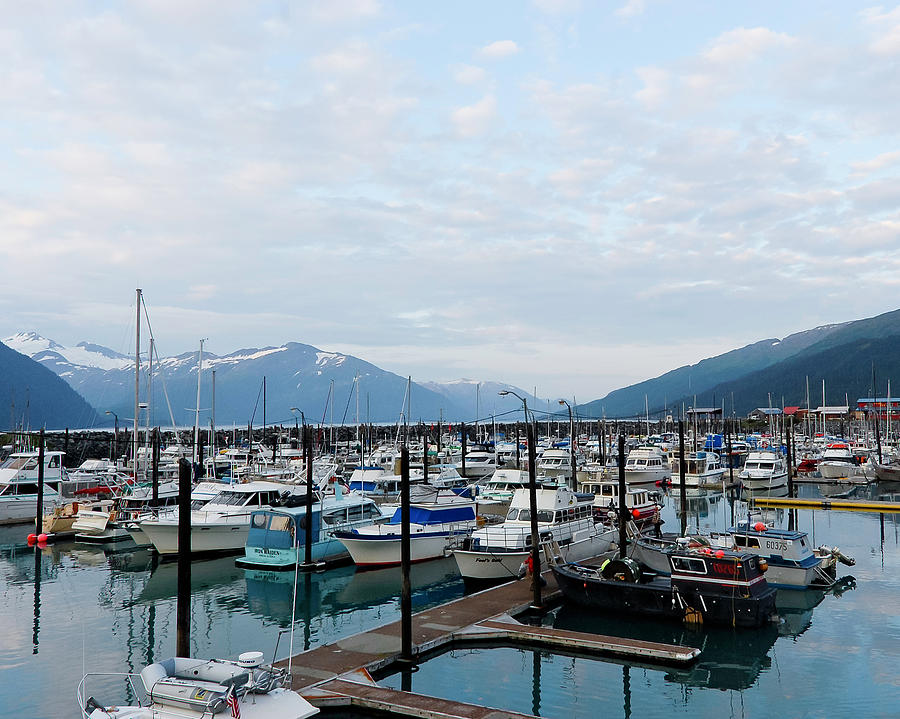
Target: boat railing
(83, 700)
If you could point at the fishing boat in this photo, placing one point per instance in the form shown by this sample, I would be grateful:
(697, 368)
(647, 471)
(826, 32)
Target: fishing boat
(764, 470)
(647, 464)
(222, 524)
(792, 562)
(277, 536)
(701, 469)
(703, 586)
(186, 688)
(432, 526)
(565, 521)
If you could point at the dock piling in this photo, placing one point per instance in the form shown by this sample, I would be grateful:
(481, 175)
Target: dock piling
(406, 653)
(183, 606)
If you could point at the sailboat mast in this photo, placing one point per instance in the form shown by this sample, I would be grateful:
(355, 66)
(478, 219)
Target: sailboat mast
(137, 379)
(197, 408)
(213, 417)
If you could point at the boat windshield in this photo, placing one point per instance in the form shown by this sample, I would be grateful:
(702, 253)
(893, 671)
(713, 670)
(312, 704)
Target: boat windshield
(19, 463)
(235, 499)
(524, 515)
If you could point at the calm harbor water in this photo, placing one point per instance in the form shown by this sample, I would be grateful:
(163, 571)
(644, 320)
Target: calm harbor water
(72, 607)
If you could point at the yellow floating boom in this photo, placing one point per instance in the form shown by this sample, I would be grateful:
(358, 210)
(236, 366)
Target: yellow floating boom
(857, 505)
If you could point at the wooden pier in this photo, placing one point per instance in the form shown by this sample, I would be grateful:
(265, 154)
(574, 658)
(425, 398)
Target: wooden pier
(338, 674)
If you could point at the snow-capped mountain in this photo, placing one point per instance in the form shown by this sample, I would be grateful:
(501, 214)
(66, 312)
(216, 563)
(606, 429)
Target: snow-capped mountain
(321, 384)
(484, 397)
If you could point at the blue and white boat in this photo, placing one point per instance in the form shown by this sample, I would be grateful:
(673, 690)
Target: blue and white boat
(277, 536)
(793, 562)
(432, 525)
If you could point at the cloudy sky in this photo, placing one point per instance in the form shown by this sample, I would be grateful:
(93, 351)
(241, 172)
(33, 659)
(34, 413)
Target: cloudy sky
(560, 194)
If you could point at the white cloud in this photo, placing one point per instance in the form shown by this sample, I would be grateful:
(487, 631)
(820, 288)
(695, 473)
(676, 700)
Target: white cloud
(632, 8)
(473, 120)
(500, 48)
(744, 44)
(469, 74)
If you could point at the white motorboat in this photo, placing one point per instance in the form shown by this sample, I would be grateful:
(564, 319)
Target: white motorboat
(432, 525)
(647, 464)
(503, 484)
(641, 503)
(764, 471)
(701, 469)
(565, 521)
(837, 461)
(185, 688)
(19, 485)
(555, 463)
(479, 464)
(221, 525)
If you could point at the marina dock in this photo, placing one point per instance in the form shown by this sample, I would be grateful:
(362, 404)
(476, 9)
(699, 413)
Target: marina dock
(338, 673)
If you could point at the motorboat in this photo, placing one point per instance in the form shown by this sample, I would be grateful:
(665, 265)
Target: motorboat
(187, 688)
(478, 465)
(566, 527)
(793, 562)
(112, 521)
(555, 463)
(640, 503)
(503, 484)
(703, 586)
(764, 471)
(647, 464)
(19, 485)
(701, 469)
(222, 524)
(277, 536)
(837, 462)
(432, 526)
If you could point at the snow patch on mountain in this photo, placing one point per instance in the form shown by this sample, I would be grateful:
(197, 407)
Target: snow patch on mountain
(31, 344)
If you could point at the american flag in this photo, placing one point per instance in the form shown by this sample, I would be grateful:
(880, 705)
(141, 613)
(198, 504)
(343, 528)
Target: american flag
(233, 703)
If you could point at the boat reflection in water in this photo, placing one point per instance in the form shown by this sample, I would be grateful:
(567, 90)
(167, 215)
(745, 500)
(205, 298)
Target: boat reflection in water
(342, 589)
(162, 583)
(728, 659)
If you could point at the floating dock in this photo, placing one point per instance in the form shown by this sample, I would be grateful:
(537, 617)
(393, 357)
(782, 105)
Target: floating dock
(338, 674)
(858, 505)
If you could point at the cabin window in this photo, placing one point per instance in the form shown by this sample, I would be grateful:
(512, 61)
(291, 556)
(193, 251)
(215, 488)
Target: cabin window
(691, 565)
(281, 523)
(22, 488)
(259, 521)
(370, 511)
(354, 514)
(54, 461)
(335, 516)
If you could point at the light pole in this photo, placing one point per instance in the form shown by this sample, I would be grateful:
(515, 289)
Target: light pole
(116, 435)
(571, 440)
(302, 422)
(532, 501)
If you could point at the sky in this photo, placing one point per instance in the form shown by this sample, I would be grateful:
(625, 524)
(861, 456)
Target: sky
(568, 196)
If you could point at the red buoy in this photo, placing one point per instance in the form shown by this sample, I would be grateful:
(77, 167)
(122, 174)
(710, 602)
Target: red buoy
(32, 538)
(720, 553)
(759, 527)
(42, 538)
(635, 513)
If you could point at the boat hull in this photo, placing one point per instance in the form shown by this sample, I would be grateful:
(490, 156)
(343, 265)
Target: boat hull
(658, 598)
(205, 538)
(384, 550)
(493, 566)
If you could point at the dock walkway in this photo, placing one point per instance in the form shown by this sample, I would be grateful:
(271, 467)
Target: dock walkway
(337, 674)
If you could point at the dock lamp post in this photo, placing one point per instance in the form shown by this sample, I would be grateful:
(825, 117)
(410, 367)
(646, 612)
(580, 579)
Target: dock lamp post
(537, 603)
(571, 441)
(115, 435)
(302, 420)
